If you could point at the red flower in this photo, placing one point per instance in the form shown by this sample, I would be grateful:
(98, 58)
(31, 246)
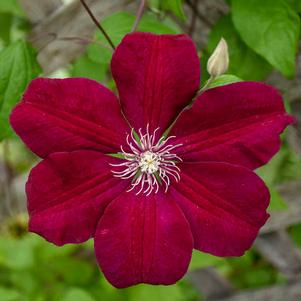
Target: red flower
(148, 211)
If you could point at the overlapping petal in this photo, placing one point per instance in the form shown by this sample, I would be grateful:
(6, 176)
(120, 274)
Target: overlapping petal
(67, 194)
(238, 123)
(156, 75)
(69, 114)
(224, 204)
(143, 239)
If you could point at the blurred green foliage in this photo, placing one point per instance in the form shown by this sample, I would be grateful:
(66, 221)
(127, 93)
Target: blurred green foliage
(271, 28)
(262, 37)
(18, 67)
(33, 269)
(244, 62)
(173, 6)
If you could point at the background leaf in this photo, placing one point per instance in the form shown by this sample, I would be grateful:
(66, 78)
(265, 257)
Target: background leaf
(277, 202)
(16, 254)
(151, 293)
(77, 294)
(285, 166)
(5, 25)
(11, 6)
(244, 62)
(271, 28)
(174, 6)
(18, 67)
(201, 260)
(85, 67)
(296, 4)
(9, 295)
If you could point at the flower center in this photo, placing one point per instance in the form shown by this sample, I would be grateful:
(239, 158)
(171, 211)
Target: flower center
(150, 163)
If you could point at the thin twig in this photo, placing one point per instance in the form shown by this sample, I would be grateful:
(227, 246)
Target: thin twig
(98, 24)
(206, 86)
(139, 15)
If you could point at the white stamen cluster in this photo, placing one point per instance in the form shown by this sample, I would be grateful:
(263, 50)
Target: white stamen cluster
(151, 162)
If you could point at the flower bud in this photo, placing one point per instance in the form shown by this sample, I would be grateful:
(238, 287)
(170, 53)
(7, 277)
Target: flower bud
(218, 62)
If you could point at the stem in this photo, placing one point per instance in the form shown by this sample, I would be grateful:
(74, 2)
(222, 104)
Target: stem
(97, 24)
(139, 15)
(209, 81)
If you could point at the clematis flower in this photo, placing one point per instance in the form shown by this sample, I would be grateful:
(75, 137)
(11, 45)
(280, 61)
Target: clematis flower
(161, 197)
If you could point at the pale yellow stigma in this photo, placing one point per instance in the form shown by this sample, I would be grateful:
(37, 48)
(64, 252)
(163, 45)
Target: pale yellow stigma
(149, 162)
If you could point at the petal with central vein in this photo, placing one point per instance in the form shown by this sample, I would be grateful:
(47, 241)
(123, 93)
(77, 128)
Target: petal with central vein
(69, 114)
(156, 77)
(225, 205)
(67, 194)
(143, 239)
(238, 123)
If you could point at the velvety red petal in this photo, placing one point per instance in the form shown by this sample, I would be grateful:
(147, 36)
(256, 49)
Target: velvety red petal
(143, 239)
(156, 77)
(69, 114)
(224, 204)
(238, 123)
(67, 194)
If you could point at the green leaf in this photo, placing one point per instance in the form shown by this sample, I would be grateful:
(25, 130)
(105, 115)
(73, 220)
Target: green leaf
(118, 25)
(296, 5)
(154, 4)
(72, 270)
(244, 62)
(5, 27)
(284, 167)
(174, 6)
(45, 252)
(77, 294)
(11, 6)
(24, 281)
(202, 260)
(295, 234)
(18, 67)
(277, 202)
(9, 294)
(257, 277)
(223, 80)
(150, 293)
(150, 23)
(16, 254)
(85, 67)
(271, 28)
